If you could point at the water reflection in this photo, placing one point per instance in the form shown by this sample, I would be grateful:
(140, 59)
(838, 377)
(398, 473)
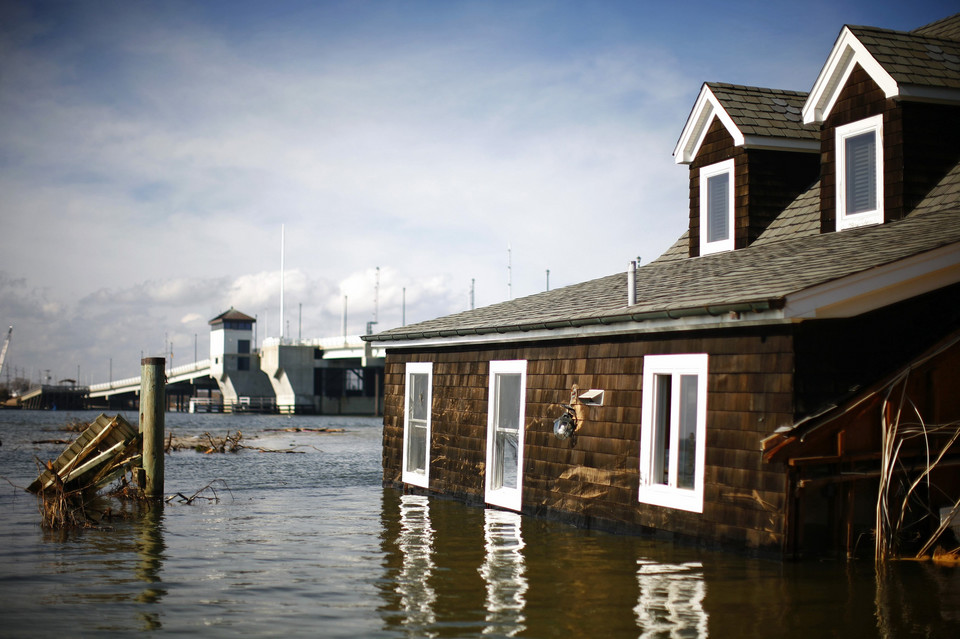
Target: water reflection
(504, 571)
(415, 541)
(150, 552)
(671, 598)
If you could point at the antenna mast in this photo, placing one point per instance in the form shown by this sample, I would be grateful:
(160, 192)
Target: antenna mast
(281, 282)
(376, 298)
(509, 273)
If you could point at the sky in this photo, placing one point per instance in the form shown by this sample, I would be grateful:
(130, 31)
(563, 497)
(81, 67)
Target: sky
(153, 155)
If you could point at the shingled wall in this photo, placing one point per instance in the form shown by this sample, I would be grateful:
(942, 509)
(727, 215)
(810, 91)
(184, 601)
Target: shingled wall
(860, 98)
(765, 182)
(593, 479)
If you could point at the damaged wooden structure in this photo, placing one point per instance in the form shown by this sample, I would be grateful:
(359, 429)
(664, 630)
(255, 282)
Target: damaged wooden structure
(782, 379)
(104, 451)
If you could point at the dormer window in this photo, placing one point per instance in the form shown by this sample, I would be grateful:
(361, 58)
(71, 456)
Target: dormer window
(716, 207)
(859, 148)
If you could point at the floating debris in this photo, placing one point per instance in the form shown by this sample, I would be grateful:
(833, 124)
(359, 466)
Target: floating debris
(183, 499)
(304, 429)
(99, 455)
(105, 450)
(208, 444)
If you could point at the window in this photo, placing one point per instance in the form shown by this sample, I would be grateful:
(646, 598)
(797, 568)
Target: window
(859, 149)
(354, 380)
(505, 417)
(673, 431)
(243, 346)
(243, 363)
(417, 400)
(716, 207)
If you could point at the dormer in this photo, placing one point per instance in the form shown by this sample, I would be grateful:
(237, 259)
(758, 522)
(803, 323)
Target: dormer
(750, 155)
(888, 105)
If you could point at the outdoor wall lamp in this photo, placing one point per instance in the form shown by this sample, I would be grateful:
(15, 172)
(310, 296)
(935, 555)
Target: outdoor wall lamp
(564, 425)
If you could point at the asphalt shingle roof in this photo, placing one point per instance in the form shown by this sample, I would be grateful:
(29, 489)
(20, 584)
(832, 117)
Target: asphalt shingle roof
(790, 256)
(800, 218)
(912, 58)
(761, 274)
(947, 28)
(764, 112)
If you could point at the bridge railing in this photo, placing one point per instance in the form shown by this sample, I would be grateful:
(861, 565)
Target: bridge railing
(184, 369)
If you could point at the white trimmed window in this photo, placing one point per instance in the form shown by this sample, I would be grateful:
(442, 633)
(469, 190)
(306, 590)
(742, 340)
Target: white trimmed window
(506, 411)
(716, 207)
(859, 151)
(673, 431)
(417, 400)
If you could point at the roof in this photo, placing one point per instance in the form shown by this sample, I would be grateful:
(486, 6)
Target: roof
(792, 271)
(760, 277)
(912, 58)
(231, 315)
(765, 112)
(800, 218)
(787, 440)
(916, 65)
(754, 117)
(948, 28)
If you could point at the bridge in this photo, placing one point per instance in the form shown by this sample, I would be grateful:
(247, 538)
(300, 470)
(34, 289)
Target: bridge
(184, 373)
(305, 375)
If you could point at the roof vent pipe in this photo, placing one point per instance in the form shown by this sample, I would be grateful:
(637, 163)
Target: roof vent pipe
(632, 283)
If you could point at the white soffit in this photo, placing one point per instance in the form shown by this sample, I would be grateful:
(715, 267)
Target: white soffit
(847, 52)
(698, 123)
(877, 287)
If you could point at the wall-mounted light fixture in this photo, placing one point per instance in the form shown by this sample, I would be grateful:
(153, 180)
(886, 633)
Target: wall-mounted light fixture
(564, 425)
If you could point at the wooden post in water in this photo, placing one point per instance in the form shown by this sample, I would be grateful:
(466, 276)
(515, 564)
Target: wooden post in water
(152, 406)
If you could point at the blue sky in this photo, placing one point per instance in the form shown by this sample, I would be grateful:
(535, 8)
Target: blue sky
(151, 151)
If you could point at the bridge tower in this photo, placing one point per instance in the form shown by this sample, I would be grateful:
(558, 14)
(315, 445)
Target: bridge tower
(234, 361)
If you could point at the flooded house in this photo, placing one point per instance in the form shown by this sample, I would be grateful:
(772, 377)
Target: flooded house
(784, 378)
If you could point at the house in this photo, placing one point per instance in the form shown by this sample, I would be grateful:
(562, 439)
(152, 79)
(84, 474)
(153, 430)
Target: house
(763, 382)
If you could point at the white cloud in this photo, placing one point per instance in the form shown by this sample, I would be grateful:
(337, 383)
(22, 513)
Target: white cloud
(150, 154)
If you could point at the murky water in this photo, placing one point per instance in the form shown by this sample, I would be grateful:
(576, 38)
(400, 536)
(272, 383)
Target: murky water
(310, 544)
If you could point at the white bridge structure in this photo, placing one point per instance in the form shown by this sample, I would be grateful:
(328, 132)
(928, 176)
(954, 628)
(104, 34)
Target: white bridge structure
(331, 375)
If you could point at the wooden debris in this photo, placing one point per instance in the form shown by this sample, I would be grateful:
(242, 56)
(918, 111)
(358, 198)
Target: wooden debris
(104, 451)
(183, 499)
(104, 446)
(208, 444)
(305, 429)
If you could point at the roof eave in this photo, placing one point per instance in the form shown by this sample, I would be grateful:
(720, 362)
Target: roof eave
(698, 123)
(764, 311)
(847, 52)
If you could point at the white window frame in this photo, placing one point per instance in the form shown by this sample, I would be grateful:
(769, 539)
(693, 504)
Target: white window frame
(657, 494)
(417, 478)
(505, 497)
(863, 218)
(707, 172)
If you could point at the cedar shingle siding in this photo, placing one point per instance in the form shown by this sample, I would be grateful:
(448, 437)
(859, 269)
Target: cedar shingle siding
(593, 479)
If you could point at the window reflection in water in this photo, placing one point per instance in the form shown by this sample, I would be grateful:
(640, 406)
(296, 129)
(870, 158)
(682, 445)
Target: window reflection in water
(671, 599)
(504, 571)
(415, 542)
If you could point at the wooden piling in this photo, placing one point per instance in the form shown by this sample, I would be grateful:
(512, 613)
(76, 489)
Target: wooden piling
(152, 405)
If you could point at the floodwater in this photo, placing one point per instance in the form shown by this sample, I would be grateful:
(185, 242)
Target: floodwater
(310, 544)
